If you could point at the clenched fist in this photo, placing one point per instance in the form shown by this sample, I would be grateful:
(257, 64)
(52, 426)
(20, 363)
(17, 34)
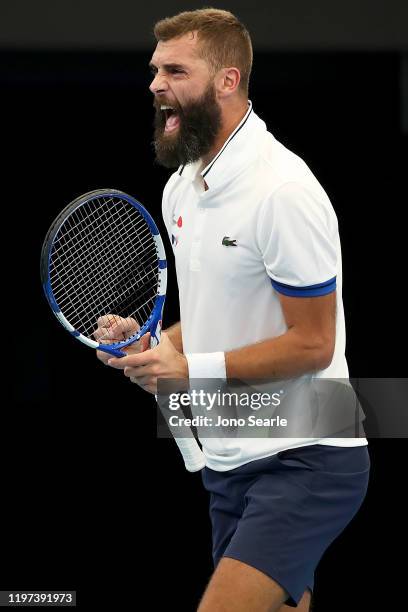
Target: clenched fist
(112, 328)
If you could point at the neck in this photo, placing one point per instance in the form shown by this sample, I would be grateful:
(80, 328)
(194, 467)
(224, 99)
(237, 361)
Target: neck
(230, 121)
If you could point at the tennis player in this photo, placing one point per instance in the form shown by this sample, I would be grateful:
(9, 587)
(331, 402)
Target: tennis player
(258, 260)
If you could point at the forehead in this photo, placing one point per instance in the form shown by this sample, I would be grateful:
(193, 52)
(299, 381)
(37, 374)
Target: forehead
(178, 50)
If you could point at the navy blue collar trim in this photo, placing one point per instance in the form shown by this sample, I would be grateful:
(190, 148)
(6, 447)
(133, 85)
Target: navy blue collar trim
(219, 155)
(232, 137)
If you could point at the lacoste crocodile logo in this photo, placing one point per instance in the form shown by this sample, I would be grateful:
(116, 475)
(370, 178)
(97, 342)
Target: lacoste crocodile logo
(226, 241)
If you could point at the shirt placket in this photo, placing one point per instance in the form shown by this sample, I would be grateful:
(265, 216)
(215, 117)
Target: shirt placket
(196, 243)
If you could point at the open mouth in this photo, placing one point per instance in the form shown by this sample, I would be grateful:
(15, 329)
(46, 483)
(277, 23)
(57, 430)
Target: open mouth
(172, 118)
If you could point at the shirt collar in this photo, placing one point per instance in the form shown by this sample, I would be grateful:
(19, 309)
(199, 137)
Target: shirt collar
(235, 154)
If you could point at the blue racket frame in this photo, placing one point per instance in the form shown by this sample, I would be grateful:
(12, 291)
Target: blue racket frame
(153, 324)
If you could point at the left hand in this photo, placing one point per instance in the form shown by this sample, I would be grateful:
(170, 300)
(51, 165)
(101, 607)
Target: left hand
(162, 361)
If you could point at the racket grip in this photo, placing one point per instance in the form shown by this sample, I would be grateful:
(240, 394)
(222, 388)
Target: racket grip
(193, 456)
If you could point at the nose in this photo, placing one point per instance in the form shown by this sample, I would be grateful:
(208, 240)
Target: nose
(158, 85)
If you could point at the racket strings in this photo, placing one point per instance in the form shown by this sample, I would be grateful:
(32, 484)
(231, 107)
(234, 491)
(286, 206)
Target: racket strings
(79, 274)
(81, 235)
(114, 270)
(147, 253)
(77, 247)
(104, 260)
(125, 289)
(98, 295)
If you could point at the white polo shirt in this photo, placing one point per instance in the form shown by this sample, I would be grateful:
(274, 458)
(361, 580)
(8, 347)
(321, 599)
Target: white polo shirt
(264, 226)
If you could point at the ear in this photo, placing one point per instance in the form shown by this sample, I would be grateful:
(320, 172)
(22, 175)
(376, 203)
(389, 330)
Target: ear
(227, 81)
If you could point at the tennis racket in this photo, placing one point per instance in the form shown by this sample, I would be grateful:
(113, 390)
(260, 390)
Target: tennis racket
(103, 256)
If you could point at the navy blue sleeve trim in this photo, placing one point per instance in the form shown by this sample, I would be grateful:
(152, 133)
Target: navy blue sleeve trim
(310, 291)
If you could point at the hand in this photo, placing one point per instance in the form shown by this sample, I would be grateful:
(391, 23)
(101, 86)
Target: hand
(162, 361)
(112, 328)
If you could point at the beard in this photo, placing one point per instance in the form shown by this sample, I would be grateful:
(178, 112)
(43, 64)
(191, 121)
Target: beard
(199, 124)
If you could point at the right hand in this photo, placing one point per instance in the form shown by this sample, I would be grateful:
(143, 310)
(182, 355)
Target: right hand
(112, 328)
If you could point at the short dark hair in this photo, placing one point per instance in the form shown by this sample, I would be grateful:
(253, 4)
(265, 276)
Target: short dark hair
(223, 39)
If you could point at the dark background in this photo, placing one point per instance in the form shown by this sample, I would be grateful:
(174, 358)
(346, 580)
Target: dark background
(91, 500)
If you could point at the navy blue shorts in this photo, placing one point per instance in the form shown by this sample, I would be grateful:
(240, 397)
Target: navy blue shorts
(280, 514)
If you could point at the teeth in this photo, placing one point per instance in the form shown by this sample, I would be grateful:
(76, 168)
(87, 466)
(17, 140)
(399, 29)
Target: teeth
(164, 107)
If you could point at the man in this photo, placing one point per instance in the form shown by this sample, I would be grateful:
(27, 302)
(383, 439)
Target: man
(258, 264)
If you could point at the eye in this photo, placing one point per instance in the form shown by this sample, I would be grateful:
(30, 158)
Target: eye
(177, 71)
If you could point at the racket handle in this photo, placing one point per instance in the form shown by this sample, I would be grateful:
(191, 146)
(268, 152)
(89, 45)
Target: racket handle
(193, 456)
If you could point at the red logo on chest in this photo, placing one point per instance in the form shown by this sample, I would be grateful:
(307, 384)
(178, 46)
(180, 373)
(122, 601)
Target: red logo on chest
(175, 238)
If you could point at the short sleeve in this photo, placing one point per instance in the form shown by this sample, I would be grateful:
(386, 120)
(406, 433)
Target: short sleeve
(297, 234)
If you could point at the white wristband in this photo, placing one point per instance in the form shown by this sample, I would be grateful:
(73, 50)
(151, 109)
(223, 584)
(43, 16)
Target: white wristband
(206, 365)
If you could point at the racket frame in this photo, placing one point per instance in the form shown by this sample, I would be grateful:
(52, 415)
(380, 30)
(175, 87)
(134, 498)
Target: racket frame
(153, 324)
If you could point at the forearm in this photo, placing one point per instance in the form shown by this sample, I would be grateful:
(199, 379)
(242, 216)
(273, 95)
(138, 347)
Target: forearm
(286, 356)
(175, 335)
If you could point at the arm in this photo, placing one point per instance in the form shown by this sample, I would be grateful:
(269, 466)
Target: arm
(175, 335)
(297, 235)
(307, 345)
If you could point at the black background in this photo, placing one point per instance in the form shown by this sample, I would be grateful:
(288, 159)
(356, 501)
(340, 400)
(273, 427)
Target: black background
(91, 500)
